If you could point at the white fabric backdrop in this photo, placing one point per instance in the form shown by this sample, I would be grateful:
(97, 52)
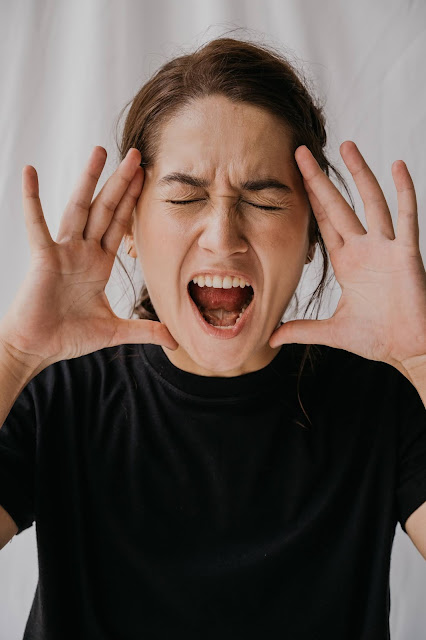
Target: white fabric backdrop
(66, 70)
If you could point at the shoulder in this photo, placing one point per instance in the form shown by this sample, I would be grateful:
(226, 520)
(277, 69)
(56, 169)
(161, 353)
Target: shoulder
(368, 380)
(88, 371)
(347, 371)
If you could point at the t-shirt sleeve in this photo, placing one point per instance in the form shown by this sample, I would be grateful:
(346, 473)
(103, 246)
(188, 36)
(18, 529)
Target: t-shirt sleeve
(17, 460)
(411, 480)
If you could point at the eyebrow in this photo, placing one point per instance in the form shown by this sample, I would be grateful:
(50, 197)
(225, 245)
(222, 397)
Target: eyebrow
(248, 185)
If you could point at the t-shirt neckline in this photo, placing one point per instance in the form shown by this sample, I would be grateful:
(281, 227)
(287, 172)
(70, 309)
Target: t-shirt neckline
(214, 386)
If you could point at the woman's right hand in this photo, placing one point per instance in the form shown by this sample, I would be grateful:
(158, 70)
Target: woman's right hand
(61, 310)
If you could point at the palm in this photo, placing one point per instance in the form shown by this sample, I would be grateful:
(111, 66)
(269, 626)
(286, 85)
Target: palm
(382, 310)
(71, 314)
(61, 310)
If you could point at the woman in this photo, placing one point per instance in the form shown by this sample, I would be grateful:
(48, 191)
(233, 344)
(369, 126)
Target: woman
(166, 460)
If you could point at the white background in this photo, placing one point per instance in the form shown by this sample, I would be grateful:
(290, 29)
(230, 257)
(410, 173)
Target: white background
(66, 70)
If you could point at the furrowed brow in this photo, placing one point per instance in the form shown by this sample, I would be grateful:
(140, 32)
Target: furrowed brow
(248, 185)
(265, 183)
(183, 178)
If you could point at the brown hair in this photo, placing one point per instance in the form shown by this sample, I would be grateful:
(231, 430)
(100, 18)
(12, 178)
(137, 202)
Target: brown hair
(243, 72)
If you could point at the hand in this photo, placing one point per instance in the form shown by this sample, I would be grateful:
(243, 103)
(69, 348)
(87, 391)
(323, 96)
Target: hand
(61, 310)
(381, 314)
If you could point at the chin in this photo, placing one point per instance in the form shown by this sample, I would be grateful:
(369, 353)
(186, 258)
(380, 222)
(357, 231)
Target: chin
(227, 356)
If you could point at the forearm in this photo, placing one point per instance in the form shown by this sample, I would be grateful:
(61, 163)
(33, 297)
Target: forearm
(16, 370)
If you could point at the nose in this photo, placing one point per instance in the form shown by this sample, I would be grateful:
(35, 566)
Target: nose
(222, 231)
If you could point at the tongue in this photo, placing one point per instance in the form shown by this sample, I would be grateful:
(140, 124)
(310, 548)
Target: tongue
(211, 298)
(220, 307)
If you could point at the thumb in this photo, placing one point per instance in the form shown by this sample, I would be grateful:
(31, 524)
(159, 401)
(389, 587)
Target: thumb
(143, 332)
(302, 332)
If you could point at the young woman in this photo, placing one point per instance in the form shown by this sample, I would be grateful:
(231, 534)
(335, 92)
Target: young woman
(204, 470)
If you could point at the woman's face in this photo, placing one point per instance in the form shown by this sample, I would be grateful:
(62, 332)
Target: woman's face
(223, 145)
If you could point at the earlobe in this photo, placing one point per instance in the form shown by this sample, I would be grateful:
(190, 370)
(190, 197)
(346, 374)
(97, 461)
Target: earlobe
(128, 236)
(130, 250)
(128, 243)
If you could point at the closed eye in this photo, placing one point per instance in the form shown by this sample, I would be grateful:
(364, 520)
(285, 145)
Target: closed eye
(258, 206)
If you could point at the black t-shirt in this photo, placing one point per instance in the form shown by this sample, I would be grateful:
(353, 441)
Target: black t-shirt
(173, 505)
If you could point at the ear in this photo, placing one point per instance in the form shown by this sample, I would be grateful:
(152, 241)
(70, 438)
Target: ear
(129, 238)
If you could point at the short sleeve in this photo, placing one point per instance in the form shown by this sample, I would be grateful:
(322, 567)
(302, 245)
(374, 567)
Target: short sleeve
(17, 461)
(411, 480)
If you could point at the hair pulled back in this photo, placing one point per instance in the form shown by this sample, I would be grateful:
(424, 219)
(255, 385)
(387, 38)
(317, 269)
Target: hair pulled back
(243, 72)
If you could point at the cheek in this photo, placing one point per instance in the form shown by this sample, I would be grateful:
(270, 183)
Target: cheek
(153, 231)
(285, 237)
(161, 245)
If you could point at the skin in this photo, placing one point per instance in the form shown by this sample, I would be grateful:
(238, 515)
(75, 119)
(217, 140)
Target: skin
(225, 143)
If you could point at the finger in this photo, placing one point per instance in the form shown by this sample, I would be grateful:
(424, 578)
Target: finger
(74, 218)
(377, 214)
(120, 220)
(104, 205)
(407, 227)
(142, 332)
(37, 229)
(333, 240)
(340, 214)
(304, 332)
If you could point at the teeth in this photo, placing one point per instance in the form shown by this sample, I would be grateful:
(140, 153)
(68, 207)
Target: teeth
(242, 310)
(220, 283)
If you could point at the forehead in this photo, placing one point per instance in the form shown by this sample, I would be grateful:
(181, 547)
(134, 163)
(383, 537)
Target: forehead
(213, 134)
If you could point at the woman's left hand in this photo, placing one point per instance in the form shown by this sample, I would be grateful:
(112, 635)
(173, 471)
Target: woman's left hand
(381, 314)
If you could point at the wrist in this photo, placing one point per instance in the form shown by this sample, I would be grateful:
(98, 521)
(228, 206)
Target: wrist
(415, 370)
(20, 365)
(415, 366)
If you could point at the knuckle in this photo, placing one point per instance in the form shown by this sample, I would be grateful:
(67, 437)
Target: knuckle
(39, 219)
(128, 200)
(72, 237)
(133, 193)
(125, 175)
(120, 222)
(93, 176)
(109, 203)
(80, 203)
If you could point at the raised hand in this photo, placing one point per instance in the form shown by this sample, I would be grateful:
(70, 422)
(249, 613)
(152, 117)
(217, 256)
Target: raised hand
(61, 310)
(381, 314)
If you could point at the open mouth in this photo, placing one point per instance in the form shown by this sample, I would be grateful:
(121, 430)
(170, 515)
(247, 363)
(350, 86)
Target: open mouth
(221, 308)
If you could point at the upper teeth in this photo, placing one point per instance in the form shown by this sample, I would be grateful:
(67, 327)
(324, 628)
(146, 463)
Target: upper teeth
(220, 283)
